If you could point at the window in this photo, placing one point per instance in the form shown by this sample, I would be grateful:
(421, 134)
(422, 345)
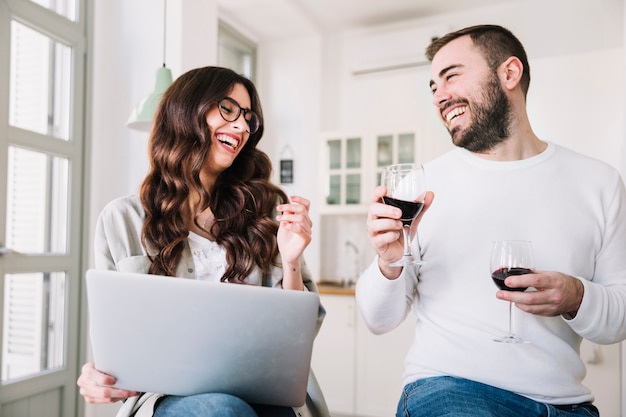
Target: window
(236, 51)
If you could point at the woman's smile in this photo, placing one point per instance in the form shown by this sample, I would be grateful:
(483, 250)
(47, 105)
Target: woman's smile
(229, 141)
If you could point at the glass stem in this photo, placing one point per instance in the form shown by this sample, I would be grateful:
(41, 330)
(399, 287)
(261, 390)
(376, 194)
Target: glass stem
(406, 231)
(510, 318)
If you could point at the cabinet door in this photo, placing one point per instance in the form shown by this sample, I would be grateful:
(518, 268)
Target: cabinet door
(603, 375)
(344, 170)
(394, 148)
(334, 352)
(332, 164)
(380, 366)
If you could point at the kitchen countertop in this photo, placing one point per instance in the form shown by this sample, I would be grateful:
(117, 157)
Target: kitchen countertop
(334, 288)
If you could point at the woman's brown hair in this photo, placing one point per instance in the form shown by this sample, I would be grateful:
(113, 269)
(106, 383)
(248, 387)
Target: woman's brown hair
(243, 199)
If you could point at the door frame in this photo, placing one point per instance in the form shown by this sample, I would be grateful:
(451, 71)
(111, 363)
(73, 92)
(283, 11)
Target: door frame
(60, 384)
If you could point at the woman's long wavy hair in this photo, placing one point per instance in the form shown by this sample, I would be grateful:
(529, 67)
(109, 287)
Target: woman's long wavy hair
(243, 200)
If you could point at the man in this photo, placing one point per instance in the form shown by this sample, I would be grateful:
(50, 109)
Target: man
(501, 182)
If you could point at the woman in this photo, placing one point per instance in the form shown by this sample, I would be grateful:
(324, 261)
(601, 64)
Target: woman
(206, 210)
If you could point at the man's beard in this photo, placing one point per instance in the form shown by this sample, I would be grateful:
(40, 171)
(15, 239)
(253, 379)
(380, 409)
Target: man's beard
(491, 121)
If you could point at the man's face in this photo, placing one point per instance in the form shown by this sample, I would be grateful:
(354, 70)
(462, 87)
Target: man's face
(469, 97)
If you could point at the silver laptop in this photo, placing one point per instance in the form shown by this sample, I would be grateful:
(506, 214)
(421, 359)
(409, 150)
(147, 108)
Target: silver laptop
(182, 336)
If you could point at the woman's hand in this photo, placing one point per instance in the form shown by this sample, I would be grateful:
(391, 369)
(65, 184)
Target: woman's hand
(97, 387)
(294, 235)
(294, 230)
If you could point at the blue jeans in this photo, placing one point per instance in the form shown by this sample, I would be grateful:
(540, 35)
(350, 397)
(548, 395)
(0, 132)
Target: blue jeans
(456, 397)
(216, 405)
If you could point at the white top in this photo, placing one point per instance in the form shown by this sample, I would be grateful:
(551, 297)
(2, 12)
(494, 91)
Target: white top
(210, 260)
(208, 257)
(572, 208)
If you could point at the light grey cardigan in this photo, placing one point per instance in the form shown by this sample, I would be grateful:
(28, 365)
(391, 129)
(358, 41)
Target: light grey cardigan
(117, 246)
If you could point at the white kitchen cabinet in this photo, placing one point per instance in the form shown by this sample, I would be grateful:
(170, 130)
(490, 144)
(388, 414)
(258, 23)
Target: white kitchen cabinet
(333, 358)
(360, 373)
(379, 368)
(345, 170)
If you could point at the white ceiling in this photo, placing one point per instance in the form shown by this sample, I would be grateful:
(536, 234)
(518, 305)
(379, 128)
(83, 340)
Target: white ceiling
(272, 19)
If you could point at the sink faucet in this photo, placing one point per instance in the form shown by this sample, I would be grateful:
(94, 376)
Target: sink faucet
(352, 254)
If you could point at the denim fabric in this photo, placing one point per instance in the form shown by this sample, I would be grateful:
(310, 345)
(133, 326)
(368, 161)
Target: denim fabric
(216, 405)
(456, 397)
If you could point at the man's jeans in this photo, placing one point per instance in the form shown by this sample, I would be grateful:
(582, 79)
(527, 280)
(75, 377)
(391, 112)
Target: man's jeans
(216, 405)
(456, 397)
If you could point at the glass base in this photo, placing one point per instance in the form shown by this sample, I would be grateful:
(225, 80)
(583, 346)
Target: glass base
(511, 339)
(406, 260)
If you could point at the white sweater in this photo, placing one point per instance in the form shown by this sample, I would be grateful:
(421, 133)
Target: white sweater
(572, 208)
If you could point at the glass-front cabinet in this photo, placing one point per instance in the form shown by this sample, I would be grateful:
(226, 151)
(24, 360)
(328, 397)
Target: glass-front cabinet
(394, 149)
(352, 164)
(344, 171)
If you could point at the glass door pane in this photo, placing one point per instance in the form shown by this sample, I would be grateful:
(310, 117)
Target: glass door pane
(334, 153)
(333, 195)
(384, 150)
(37, 202)
(66, 8)
(40, 83)
(353, 153)
(353, 189)
(406, 148)
(33, 325)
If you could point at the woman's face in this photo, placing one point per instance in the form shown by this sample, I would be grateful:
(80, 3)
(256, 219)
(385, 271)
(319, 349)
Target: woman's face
(227, 138)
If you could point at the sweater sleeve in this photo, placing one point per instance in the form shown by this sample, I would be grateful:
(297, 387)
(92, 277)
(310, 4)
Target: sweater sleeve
(384, 303)
(117, 240)
(602, 314)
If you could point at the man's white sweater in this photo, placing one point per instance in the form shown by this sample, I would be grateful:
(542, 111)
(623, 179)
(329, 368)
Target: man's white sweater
(572, 208)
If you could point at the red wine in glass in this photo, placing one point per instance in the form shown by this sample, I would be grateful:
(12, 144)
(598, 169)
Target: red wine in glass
(510, 257)
(501, 274)
(405, 190)
(410, 209)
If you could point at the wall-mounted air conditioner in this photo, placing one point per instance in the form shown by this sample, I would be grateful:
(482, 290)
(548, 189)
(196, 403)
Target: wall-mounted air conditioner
(389, 49)
(390, 64)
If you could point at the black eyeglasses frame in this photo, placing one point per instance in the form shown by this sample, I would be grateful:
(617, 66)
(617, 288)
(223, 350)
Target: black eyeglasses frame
(251, 118)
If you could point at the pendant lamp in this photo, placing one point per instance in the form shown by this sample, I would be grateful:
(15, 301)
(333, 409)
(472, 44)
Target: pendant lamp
(142, 116)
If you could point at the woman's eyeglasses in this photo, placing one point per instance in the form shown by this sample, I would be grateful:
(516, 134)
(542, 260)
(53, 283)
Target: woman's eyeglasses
(230, 111)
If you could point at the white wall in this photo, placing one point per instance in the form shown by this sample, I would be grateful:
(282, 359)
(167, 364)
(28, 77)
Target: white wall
(289, 73)
(127, 55)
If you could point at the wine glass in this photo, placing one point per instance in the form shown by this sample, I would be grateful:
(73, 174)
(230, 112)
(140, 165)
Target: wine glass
(406, 190)
(511, 257)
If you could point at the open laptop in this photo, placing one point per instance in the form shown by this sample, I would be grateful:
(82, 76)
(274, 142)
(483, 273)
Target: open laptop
(182, 336)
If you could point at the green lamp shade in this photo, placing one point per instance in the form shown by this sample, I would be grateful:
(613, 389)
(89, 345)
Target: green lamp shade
(142, 115)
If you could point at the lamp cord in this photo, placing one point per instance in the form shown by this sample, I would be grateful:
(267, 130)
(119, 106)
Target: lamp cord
(164, 28)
